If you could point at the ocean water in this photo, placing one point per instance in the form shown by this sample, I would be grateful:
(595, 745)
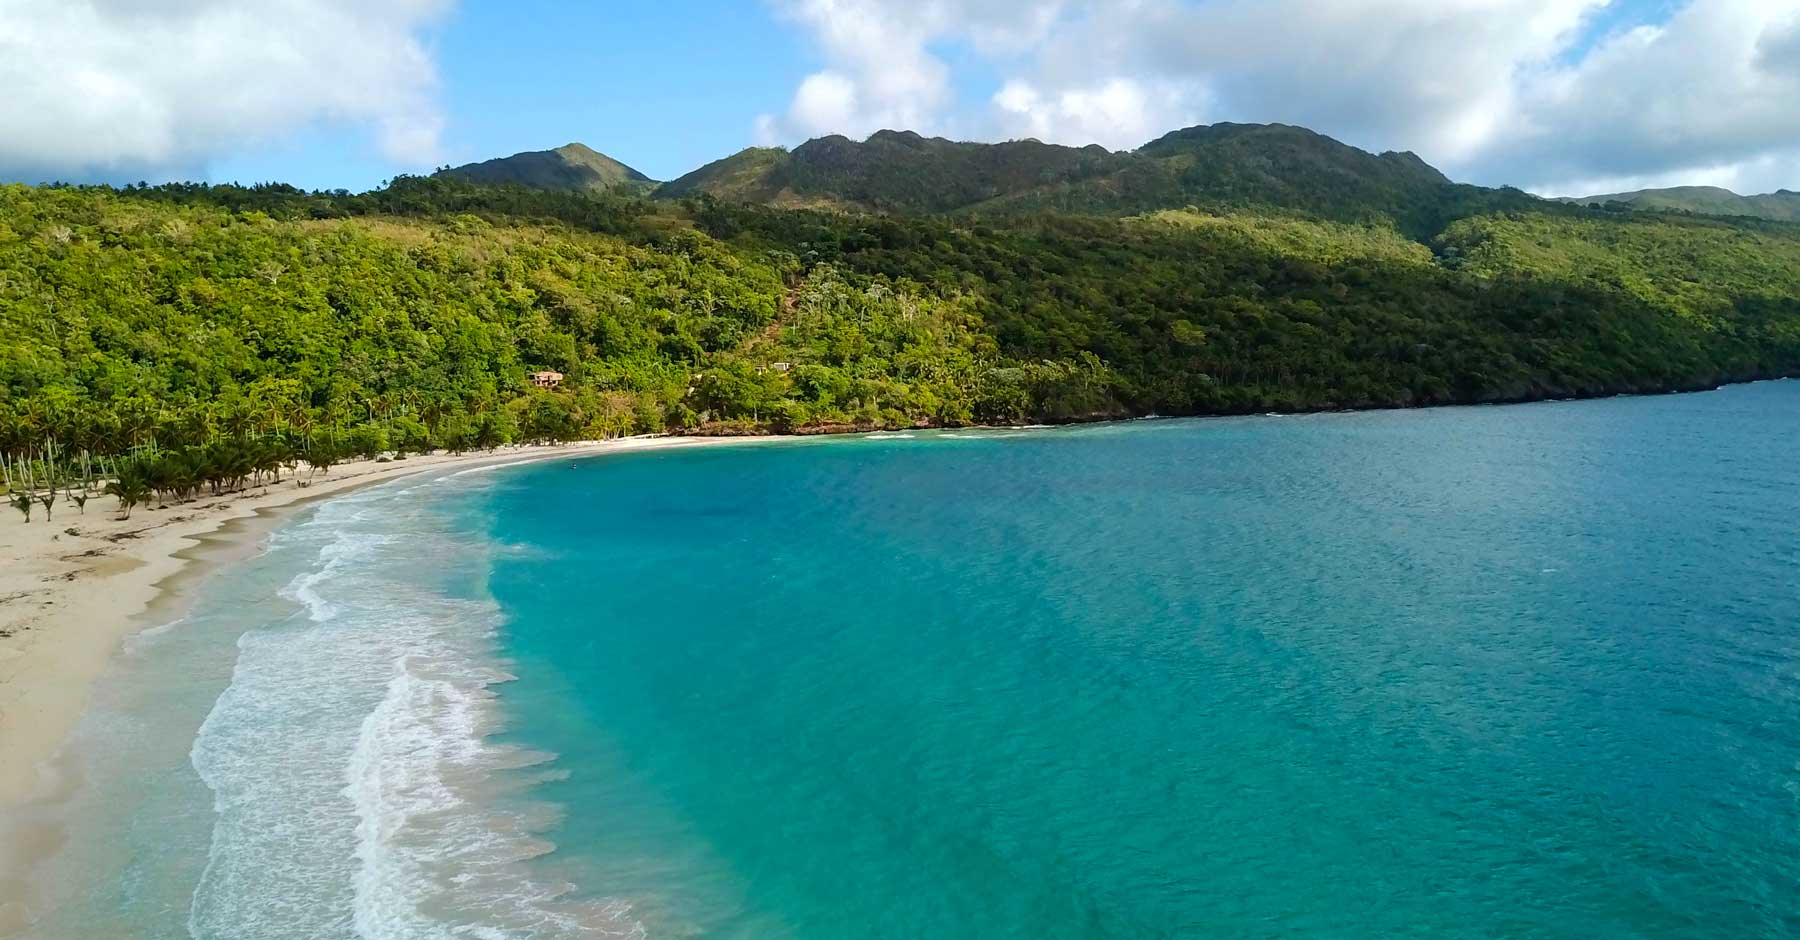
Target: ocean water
(1525, 671)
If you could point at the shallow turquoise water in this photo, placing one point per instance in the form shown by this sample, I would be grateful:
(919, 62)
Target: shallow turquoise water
(1526, 672)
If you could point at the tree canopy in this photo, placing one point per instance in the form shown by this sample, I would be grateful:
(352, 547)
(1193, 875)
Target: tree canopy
(179, 316)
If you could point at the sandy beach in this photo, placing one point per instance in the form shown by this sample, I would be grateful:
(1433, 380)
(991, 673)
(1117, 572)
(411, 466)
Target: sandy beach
(72, 591)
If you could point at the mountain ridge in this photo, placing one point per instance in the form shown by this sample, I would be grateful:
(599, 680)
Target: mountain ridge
(1782, 205)
(573, 166)
(1221, 166)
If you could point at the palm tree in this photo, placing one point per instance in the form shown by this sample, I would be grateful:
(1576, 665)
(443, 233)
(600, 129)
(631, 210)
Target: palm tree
(240, 418)
(131, 485)
(301, 418)
(322, 456)
(137, 418)
(48, 497)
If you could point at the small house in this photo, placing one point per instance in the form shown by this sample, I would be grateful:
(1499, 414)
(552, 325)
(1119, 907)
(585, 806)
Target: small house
(546, 379)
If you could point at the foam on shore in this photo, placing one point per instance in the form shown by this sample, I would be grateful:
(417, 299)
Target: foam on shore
(355, 787)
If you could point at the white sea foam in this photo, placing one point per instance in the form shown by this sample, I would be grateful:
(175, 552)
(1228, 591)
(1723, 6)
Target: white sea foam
(887, 436)
(142, 640)
(350, 549)
(356, 792)
(491, 467)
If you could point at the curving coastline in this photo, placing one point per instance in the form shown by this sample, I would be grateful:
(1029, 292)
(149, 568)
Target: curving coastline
(57, 633)
(424, 715)
(72, 594)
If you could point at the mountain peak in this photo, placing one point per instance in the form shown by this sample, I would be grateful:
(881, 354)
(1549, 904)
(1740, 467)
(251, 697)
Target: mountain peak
(1225, 165)
(573, 166)
(576, 150)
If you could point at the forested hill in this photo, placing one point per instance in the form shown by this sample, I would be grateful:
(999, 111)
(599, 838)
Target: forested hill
(1221, 166)
(569, 167)
(1705, 200)
(413, 316)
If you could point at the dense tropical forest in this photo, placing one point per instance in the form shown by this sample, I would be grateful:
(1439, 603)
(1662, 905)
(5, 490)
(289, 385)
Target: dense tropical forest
(167, 338)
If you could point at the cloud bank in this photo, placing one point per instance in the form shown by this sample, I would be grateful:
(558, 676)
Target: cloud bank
(1556, 95)
(118, 87)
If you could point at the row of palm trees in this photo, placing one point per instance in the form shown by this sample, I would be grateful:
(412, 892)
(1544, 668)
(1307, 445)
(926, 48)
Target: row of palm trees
(223, 466)
(40, 480)
(267, 407)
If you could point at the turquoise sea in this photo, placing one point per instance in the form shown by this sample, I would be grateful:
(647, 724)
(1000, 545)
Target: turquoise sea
(1527, 671)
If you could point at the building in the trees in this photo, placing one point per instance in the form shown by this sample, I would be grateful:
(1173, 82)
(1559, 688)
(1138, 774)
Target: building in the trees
(546, 379)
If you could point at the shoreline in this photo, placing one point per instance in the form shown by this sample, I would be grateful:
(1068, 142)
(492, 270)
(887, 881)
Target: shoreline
(71, 600)
(74, 591)
(152, 562)
(36, 563)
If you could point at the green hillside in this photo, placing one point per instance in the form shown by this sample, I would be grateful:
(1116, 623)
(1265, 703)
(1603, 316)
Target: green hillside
(1701, 269)
(1256, 312)
(901, 281)
(1219, 166)
(751, 175)
(571, 167)
(410, 317)
(1300, 237)
(1705, 200)
(892, 171)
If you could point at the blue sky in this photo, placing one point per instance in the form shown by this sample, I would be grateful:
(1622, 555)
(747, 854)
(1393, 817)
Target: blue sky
(662, 86)
(1559, 96)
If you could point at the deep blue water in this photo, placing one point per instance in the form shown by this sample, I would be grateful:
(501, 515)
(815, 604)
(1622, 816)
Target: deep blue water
(1524, 672)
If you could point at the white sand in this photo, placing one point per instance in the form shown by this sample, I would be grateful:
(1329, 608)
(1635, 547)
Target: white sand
(72, 591)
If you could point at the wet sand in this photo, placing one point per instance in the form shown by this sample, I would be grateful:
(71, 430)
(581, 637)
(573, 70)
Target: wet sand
(73, 590)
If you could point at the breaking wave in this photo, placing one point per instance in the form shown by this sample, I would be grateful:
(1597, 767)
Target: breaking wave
(357, 791)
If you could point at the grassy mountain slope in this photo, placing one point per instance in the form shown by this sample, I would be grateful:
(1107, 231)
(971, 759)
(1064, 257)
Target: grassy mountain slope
(1218, 166)
(752, 175)
(892, 171)
(569, 167)
(1705, 200)
(903, 172)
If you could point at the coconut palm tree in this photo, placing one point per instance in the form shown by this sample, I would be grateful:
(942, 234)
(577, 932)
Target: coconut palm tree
(322, 455)
(47, 498)
(131, 484)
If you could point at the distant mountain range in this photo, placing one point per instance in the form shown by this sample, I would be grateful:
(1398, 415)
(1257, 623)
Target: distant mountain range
(1783, 205)
(1221, 164)
(1212, 166)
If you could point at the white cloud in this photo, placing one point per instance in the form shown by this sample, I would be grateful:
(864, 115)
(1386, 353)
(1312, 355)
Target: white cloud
(104, 86)
(1118, 113)
(881, 65)
(1498, 91)
(1711, 93)
(826, 100)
